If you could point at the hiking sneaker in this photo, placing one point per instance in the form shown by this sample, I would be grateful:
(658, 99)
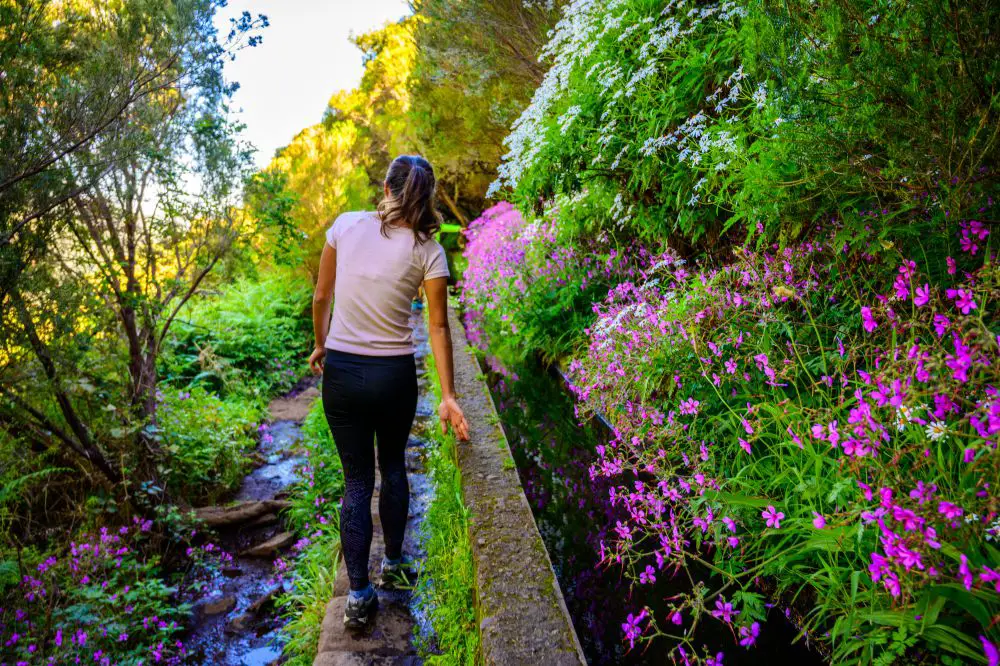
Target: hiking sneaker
(360, 608)
(398, 574)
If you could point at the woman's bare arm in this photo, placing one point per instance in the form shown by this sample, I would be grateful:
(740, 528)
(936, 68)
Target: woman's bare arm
(440, 333)
(322, 301)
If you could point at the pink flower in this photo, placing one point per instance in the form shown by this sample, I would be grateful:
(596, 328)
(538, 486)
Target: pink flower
(745, 445)
(964, 574)
(819, 522)
(922, 296)
(963, 300)
(772, 516)
(677, 618)
(689, 406)
(724, 611)
(949, 510)
(868, 321)
(952, 268)
(941, 324)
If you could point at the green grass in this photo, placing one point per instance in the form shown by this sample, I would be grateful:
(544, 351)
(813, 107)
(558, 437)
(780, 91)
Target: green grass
(313, 515)
(446, 590)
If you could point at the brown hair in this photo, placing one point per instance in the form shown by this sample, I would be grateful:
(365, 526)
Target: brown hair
(410, 203)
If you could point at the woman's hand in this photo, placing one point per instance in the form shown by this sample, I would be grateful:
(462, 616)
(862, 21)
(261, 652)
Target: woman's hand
(451, 414)
(316, 360)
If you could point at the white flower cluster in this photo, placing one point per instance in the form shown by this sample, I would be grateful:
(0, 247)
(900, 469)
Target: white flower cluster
(566, 119)
(572, 42)
(621, 213)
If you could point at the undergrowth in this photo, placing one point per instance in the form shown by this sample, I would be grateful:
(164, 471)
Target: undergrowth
(312, 572)
(445, 592)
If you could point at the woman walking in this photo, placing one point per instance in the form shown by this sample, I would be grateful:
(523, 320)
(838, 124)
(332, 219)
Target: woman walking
(372, 265)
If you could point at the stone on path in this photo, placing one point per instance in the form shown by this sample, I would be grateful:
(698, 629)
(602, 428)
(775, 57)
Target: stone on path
(271, 546)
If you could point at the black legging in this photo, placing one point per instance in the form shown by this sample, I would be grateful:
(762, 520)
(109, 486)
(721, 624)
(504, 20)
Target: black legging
(369, 397)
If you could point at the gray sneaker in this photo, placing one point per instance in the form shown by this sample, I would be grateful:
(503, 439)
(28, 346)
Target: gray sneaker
(397, 575)
(360, 609)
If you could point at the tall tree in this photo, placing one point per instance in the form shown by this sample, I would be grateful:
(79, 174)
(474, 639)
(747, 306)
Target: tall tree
(139, 209)
(475, 70)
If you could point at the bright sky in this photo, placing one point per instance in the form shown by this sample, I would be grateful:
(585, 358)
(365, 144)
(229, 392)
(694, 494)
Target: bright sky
(305, 57)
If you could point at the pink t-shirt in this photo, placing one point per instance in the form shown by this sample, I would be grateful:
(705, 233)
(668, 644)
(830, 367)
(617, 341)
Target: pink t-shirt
(377, 280)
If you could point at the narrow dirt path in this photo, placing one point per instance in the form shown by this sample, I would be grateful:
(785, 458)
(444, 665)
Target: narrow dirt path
(389, 639)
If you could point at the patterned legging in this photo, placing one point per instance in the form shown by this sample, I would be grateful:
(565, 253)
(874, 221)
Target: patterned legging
(368, 398)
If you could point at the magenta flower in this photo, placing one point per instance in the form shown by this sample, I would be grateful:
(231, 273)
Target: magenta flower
(677, 618)
(868, 321)
(963, 300)
(819, 522)
(631, 627)
(772, 516)
(922, 296)
(964, 574)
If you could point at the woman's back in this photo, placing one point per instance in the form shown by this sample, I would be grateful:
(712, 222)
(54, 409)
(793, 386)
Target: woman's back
(378, 276)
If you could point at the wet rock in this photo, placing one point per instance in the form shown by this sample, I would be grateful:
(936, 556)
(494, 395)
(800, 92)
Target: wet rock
(240, 623)
(264, 521)
(218, 606)
(271, 546)
(239, 513)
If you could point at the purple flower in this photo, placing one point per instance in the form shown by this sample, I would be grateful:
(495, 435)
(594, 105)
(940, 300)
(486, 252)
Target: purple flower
(772, 516)
(819, 522)
(631, 627)
(922, 296)
(748, 635)
(963, 300)
(990, 650)
(724, 611)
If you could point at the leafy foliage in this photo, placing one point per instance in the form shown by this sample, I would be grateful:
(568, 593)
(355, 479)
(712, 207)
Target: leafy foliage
(315, 514)
(446, 586)
(207, 441)
(249, 339)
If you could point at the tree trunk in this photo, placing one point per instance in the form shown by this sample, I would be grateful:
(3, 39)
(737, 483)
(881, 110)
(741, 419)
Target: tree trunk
(84, 443)
(453, 207)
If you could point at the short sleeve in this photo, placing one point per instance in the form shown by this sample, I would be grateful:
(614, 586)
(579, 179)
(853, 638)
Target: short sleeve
(331, 234)
(436, 262)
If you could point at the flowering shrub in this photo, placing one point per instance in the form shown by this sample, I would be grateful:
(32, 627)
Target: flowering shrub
(779, 418)
(530, 282)
(103, 602)
(698, 117)
(803, 424)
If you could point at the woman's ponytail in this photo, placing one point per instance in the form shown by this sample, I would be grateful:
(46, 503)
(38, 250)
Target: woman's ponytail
(411, 184)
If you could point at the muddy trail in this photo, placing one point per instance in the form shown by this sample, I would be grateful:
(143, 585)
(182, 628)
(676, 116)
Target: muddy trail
(236, 621)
